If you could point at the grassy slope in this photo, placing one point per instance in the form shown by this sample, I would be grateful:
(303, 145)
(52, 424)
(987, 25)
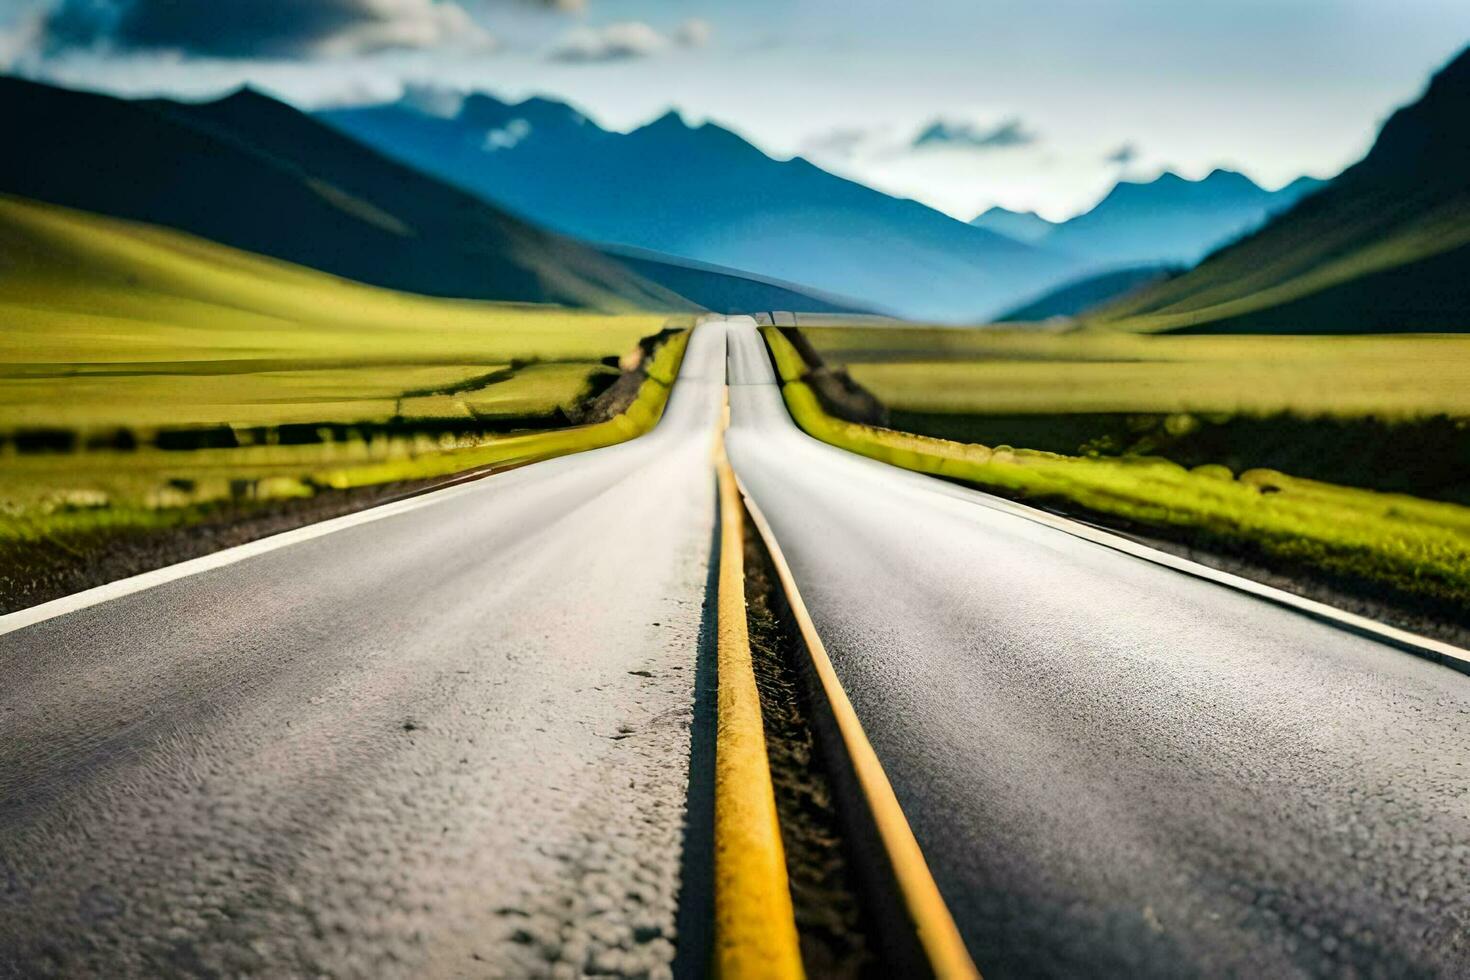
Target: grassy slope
(1384, 248)
(258, 175)
(111, 324)
(723, 290)
(1415, 548)
(1343, 269)
(1077, 295)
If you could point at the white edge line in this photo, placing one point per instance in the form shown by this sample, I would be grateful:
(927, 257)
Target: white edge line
(1438, 651)
(32, 615)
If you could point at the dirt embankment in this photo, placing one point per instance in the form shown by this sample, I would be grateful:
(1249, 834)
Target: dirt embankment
(838, 393)
(832, 925)
(601, 404)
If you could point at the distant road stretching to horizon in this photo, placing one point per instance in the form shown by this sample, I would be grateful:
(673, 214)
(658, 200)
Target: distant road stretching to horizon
(454, 735)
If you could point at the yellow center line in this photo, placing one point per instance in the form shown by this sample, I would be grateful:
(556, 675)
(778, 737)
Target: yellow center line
(938, 935)
(755, 926)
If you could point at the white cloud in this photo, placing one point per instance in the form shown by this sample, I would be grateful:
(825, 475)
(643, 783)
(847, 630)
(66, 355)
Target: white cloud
(409, 24)
(433, 100)
(507, 136)
(245, 29)
(619, 41)
(626, 40)
(1006, 133)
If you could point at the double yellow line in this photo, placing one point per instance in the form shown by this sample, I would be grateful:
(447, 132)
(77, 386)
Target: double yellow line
(755, 929)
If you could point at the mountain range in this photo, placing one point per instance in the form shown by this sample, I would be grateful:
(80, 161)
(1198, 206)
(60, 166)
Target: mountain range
(705, 193)
(533, 202)
(255, 174)
(1385, 247)
(1169, 220)
(1173, 219)
(1141, 233)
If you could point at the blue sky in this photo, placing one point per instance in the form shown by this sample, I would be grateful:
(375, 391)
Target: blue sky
(1040, 104)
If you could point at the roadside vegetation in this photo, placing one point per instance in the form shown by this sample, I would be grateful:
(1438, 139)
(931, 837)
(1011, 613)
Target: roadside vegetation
(1382, 412)
(152, 381)
(1128, 444)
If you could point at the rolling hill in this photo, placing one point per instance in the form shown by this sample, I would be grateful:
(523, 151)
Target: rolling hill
(1384, 248)
(1082, 294)
(78, 285)
(250, 172)
(705, 193)
(305, 194)
(722, 290)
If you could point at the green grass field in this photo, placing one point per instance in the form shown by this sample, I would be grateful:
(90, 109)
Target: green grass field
(109, 323)
(1413, 547)
(982, 372)
(122, 342)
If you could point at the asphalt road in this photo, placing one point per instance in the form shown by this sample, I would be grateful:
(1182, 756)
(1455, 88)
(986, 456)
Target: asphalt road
(453, 742)
(1115, 769)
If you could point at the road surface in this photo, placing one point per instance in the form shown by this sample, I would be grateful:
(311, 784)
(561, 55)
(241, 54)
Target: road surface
(1115, 769)
(453, 741)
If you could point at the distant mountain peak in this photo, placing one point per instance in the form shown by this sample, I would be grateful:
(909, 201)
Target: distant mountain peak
(244, 103)
(1176, 187)
(249, 95)
(1218, 177)
(689, 187)
(997, 210)
(1165, 178)
(1023, 226)
(1384, 220)
(245, 91)
(672, 119)
(711, 141)
(205, 169)
(1172, 218)
(1427, 138)
(1225, 173)
(502, 124)
(473, 101)
(541, 104)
